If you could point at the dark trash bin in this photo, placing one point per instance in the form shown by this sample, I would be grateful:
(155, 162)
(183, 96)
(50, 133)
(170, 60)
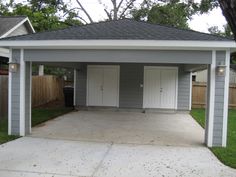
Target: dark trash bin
(68, 96)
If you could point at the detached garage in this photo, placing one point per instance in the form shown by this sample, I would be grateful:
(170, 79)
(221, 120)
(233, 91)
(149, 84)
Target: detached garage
(125, 64)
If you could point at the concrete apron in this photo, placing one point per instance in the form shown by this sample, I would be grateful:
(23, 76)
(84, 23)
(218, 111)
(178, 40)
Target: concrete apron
(37, 157)
(124, 128)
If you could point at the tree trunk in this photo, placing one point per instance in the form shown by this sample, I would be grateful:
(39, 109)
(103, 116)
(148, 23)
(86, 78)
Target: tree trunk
(228, 8)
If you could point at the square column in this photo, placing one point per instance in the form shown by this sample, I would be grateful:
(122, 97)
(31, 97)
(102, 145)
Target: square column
(19, 108)
(217, 100)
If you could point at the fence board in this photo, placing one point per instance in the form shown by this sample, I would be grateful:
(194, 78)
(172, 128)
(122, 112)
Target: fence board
(44, 90)
(199, 95)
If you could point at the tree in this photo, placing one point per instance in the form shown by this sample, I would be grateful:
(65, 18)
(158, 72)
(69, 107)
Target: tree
(120, 9)
(172, 13)
(225, 33)
(228, 8)
(44, 14)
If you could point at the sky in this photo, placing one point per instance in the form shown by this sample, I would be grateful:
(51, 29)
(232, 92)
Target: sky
(199, 22)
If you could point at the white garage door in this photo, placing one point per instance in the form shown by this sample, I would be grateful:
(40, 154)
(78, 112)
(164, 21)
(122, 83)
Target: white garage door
(160, 87)
(103, 85)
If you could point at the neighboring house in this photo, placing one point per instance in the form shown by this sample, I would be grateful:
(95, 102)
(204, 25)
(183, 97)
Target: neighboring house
(201, 76)
(12, 26)
(125, 64)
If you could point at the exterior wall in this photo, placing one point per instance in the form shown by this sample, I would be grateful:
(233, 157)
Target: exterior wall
(184, 87)
(201, 76)
(124, 56)
(21, 30)
(219, 103)
(131, 86)
(81, 88)
(20, 110)
(15, 101)
(131, 79)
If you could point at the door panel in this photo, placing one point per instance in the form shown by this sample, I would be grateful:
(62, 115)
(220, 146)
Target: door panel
(159, 87)
(110, 86)
(95, 80)
(152, 88)
(168, 87)
(103, 86)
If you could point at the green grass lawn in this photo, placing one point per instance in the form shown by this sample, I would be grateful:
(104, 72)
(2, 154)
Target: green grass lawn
(39, 115)
(225, 155)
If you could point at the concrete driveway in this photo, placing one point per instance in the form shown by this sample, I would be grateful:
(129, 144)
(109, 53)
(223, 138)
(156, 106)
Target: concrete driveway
(47, 154)
(124, 128)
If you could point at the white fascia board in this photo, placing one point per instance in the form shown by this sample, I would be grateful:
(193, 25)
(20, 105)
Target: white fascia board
(121, 44)
(30, 24)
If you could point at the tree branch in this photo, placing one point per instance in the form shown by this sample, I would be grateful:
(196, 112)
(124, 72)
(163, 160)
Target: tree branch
(84, 10)
(127, 7)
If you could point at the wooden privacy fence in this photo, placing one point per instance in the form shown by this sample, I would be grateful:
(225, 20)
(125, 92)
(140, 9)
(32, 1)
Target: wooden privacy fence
(199, 95)
(44, 90)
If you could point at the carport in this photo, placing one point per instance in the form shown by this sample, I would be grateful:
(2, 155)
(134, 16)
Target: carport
(125, 64)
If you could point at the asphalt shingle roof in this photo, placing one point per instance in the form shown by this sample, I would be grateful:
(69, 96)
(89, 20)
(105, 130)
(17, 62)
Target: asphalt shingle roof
(121, 29)
(7, 23)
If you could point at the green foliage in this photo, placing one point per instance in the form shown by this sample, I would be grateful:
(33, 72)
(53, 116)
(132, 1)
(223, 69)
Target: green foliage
(225, 33)
(173, 14)
(44, 15)
(225, 155)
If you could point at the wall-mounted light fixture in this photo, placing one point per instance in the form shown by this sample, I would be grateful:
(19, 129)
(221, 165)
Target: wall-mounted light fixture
(13, 67)
(221, 69)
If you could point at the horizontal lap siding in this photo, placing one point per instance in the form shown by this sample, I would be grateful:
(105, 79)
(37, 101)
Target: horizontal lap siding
(15, 102)
(131, 77)
(81, 85)
(219, 103)
(183, 90)
(131, 91)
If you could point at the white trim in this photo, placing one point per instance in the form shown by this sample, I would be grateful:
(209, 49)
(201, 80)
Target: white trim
(176, 84)
(190, 92)
(118, 80)
(226, 97)
(10, 97)
(120, 44)
(30, 100)
(30, 24)
(22, 93)
(75, 84)
(211, 101)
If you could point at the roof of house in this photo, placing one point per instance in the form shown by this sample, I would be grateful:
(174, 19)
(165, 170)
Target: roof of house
(9, 22)
(125, 29)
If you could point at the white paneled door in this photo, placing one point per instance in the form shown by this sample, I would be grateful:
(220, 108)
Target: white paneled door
(160, 87)
(103, 85)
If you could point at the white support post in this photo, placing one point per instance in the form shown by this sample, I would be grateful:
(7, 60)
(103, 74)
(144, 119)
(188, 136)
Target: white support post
(226, 97)
(30, 99)
(75, 85)
(210, 101)
(190, 91)
(10, 97)
(22, 93)
(41, 70)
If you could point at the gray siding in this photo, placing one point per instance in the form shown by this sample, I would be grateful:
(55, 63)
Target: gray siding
(219, 103)
(117, 56)
(131, 93)
(131, 77)
(27, 97)
(81, 88)
(183, 89)
(19, 31)
(15, 102)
